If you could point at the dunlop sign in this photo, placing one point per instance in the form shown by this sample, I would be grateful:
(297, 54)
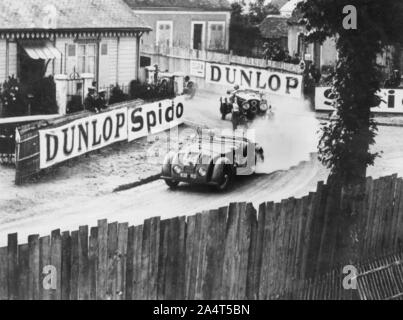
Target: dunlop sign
(284, 84)
(98, 131)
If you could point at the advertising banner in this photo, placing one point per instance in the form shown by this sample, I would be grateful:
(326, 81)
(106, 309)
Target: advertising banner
(284, 84)
(97, 131)
(197, 68)
(155, 117)
(391, 100)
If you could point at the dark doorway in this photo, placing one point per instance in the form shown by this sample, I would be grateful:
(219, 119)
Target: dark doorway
(31, 71)
(197, 36)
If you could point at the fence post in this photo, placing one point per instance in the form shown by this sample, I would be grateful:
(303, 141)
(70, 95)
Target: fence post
(61, 93)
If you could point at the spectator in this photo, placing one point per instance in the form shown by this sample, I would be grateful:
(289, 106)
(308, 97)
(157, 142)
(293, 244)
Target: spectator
(101, 103)
(90, 103)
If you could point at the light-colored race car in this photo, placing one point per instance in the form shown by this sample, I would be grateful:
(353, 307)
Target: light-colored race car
(252, 103)
(212, 160)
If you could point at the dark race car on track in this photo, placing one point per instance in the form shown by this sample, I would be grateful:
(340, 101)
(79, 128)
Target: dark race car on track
(252, 103)
(213, 160)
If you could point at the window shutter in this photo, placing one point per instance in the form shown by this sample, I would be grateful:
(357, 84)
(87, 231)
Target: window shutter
(71, 58)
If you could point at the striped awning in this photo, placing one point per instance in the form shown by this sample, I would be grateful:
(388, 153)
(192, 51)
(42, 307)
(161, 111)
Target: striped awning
(44, 50)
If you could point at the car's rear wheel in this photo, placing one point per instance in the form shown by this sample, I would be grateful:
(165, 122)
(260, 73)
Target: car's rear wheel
(172, 183)
(227, 179)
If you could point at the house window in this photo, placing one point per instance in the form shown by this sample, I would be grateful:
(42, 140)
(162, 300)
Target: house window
(216, 35)
(197, 35)
(164, 36)
(86, 58)
(71, 50)
(104, 49)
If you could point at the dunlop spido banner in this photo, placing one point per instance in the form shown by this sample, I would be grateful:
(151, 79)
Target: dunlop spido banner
(81, 136)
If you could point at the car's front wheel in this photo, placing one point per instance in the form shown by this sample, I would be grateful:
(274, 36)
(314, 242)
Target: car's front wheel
(226, 179)
(172, 183)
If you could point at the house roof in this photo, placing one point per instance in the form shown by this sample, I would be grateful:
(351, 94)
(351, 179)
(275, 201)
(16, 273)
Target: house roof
(289, 6)
(68, 15)
(279, 3)
(208, 5)
(274, 27)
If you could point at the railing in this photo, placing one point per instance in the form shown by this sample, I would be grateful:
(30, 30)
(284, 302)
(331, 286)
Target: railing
(211, 56)
(7, 135)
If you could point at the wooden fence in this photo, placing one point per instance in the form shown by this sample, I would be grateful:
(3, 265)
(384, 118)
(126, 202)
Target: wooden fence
(234, 252)
(379, 279)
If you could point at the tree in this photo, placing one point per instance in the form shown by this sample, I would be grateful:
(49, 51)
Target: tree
(244, 28)
(345, 143)
(258, 11)
(243, 34)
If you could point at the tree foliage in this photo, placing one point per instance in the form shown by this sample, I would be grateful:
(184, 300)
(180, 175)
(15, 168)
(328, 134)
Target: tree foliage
(345, 143)
(244, 28)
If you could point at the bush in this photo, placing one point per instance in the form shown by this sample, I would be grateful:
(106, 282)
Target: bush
(12, 98)
(44, 97)
(117, 95)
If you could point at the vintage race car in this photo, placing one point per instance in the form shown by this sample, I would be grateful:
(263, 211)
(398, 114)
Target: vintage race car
(212, 160)
(252, 103)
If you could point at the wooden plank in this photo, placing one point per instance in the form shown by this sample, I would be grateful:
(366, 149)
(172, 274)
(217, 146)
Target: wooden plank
(248, 244)
(368, 208)
(371, 217)
(102, 260)
(44, 261)
(201, 261)
(130, 263)
(266, 248)
(123, 229)
(231, 258)
(83, 266)
(258, 255)
(112, 261)
(34, 279)
(398, 243)
(171, 259)
(4, 273)
(66, 266)
(12, 257)
(180, 263)
(149, 258)
(93, 263)
(56, 262)
(305, 272)
(74, 263)
(237, 246)
(23, 272)
(215, 253)
(192, 241)
(137, 245)
(254, 258)
(163, 257)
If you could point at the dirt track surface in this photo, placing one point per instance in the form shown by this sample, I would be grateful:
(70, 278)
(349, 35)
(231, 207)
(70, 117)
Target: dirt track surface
(81, 193)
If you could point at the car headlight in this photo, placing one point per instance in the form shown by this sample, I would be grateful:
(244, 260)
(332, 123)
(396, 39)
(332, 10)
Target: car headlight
(264, 107)
(202, 172)
(246, 106)
(177, 169)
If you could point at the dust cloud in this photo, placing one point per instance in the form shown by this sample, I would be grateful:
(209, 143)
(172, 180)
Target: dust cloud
(290, 137)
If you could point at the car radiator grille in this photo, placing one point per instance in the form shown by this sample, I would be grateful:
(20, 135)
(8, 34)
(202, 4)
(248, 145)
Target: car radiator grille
(188, 169)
